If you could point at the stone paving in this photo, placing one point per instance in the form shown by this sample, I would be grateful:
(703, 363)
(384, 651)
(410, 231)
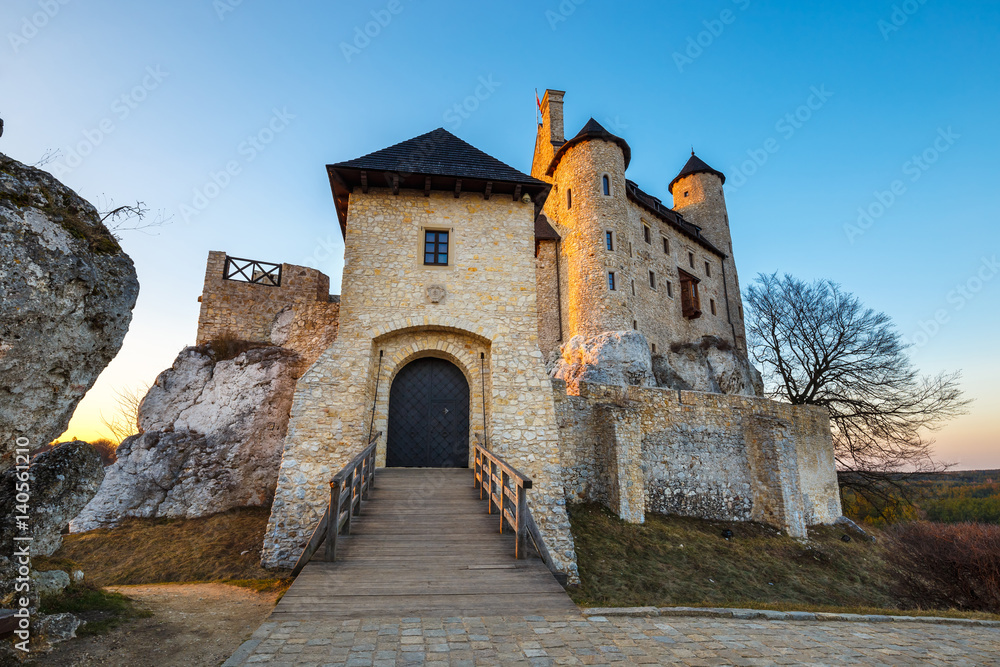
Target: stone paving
(575, 640)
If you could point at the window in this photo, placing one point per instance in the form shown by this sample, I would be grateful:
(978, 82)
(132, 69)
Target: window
(670, 289)
(708, 269)
(690, 303)
(652, 280)
(569, 198)
(635, 325)
(654, 347)
(609, 240)
(666, 245)
(686, 193)
(612, 283)
(633, 287)
(711, 303)
(645, 233)
(606, 185)
(436, 248)
(629, 248)
(691, 259)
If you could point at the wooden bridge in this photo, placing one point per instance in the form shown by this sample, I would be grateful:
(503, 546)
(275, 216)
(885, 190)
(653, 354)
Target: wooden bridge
(424, 544)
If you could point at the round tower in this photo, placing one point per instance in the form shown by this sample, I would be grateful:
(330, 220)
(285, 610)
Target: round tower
(590, 203)
(699, 198)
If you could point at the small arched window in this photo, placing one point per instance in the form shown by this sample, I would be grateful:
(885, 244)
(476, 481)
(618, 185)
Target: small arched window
(606, 185)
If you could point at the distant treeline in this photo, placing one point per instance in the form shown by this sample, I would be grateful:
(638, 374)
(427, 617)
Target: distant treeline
(948, 497)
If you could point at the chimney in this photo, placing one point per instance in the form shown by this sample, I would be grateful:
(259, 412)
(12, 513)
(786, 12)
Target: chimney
(552, 117)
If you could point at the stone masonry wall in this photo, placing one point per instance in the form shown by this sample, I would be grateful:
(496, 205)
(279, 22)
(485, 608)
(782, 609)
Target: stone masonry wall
(549, 327)
(488, 307)
(300, 314)
(706, 455)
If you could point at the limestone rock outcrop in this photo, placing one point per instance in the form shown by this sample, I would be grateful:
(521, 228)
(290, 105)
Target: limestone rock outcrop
(66, 296)
(613, 357)
(211, 439)
(59, 482)
(710, 365)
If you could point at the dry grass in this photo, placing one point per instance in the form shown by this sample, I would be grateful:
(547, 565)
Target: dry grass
(682, 561)
(222, 548)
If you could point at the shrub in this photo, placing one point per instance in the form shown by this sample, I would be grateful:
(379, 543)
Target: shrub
(107, 449)
(947, 565)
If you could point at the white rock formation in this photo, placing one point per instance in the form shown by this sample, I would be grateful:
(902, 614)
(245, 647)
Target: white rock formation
(710, 365)
(66, 297)
(212, 436)
(613, 357)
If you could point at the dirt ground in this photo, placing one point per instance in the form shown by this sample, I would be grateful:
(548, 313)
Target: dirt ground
(192, 625)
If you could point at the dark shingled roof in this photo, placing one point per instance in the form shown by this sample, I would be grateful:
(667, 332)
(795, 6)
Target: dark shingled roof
(437, 160)
(544, 230)
(439, 153)
(592, 130)
(695, 166)
(670, 216)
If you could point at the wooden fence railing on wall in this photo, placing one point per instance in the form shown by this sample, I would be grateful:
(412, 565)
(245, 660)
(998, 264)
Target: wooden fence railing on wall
(506, 489)
(347, 489)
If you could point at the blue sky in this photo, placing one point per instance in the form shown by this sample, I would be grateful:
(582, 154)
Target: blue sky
(223, 114)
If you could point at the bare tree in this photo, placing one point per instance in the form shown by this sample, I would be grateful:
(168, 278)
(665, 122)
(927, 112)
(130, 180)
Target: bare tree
(49, 155)
(125, 422)
(130, 218)
(819, 345)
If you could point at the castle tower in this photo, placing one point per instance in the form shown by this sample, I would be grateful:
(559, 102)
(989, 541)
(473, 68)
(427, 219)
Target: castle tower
(698, 196)
(550, 136)
(588, 200)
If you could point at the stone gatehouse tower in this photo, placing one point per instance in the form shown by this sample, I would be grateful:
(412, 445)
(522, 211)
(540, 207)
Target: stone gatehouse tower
(592, 335)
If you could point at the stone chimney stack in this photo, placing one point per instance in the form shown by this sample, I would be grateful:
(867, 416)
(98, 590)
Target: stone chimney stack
(551, 133)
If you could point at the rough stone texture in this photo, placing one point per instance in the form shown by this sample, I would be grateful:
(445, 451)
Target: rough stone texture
(58, 627)
(725, 457)
(712, 365)
(211, 439)
(588, 307)
(300, 315)
(49, 583)
(490, 308)
(66, 296)
(613, 357)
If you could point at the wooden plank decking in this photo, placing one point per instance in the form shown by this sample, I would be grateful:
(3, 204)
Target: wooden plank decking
(423, 546)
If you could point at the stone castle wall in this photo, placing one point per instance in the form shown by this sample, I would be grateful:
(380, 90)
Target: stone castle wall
(550, 334)
(696, 454)
(488, 307)
(300, 314)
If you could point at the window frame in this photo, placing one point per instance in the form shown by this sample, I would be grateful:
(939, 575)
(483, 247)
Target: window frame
(437, 244)
(610, 242)
(666, 245)
(569, 198)
(652, 280)
(647, 234)
(605, 180)
(708, 269)
(612, 281)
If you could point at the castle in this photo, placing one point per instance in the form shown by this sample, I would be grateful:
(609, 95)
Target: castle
(592, 335)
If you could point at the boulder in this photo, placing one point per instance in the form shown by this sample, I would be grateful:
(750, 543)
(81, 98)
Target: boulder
(613, 358)
(49, 583)
(66, 296)
(710, 365)
(60, 482)
(57, 628)
(211, 438)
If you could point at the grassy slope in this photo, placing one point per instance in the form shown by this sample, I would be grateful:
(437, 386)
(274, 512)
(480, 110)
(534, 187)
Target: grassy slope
(223, 547)
(681, 561)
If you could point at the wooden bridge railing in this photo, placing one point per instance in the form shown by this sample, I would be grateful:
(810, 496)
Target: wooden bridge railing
(347, 489)
(506, 489)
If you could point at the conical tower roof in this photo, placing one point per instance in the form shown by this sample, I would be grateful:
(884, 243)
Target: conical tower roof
(695, 166)
(592, 130)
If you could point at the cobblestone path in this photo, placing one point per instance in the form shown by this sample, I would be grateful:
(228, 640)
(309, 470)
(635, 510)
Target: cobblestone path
(573, 640)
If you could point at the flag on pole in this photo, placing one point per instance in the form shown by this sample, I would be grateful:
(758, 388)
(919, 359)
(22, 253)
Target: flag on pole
(538, 101)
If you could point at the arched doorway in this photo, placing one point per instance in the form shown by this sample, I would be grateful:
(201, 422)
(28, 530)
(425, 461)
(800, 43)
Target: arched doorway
(428, 416)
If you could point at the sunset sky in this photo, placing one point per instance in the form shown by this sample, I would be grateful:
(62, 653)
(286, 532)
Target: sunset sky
(859, 138)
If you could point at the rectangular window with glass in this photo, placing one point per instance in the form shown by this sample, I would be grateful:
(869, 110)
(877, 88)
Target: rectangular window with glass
(609, 240)
(666, 245)
(611, 281)
(645, 233)
(436, 248)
